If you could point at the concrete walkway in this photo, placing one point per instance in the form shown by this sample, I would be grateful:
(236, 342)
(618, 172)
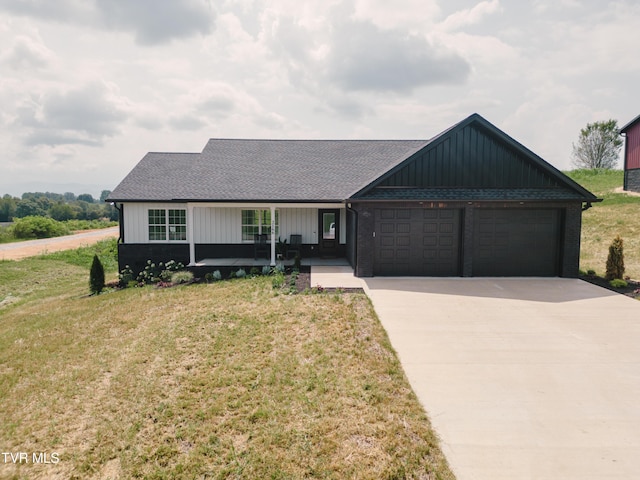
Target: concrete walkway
(521, 378)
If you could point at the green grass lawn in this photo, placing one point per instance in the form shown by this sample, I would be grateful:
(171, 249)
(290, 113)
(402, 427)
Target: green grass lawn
(617, 214)
(227, 380)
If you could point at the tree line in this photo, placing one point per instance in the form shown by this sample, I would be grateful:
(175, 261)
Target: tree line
(59, 206)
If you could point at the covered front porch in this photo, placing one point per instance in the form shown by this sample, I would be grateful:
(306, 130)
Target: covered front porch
(261, 262)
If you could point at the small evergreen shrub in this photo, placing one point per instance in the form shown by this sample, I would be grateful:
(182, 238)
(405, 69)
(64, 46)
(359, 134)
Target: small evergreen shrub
(216, 275)
(615, 260)
(241, 273)
(618, 283)
(254, 272)
(96, 276)
(266, 270)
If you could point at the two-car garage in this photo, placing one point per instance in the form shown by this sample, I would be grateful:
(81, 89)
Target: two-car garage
(498, 241)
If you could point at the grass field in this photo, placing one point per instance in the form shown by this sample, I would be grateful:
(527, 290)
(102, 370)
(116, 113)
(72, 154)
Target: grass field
(617, 214)
(228, 380)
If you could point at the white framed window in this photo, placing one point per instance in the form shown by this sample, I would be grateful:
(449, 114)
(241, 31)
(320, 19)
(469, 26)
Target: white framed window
(257, 222)
(167, 224)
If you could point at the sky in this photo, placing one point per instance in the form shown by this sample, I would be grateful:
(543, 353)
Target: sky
(88, 87)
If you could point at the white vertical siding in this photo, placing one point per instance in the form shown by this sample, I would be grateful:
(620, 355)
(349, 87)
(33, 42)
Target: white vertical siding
(136, 220)
(303, 221)
(217, 225)
(224, 224)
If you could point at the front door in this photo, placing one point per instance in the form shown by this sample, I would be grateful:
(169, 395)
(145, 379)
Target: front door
(328, 232)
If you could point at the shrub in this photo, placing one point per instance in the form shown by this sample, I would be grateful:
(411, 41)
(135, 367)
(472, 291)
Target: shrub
(38, 227)
(96, 276)
(591, 272)
(254, 272)
(615, 260)
(266, 270)
(618, 283)
(278, 280)
(241, 273)
(126, 276)
(216, 275)
(184, 276)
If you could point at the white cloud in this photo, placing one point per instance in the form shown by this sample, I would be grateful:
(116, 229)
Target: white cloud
(470, 16)
(85, 116)
(152, 22)
(27, 53)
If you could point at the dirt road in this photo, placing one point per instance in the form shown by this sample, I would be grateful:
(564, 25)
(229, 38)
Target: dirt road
(30, 248)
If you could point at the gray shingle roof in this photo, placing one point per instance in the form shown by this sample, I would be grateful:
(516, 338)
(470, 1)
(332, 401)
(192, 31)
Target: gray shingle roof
(264, 170)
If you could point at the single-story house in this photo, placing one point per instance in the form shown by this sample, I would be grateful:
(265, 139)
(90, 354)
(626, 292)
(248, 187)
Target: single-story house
(632, 155)
(470, 201)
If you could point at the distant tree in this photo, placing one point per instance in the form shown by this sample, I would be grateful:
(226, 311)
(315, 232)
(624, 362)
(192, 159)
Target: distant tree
(598, 145)
(7, 208)
(61, 212)
(69, 196)
(104, 195)
(32, 207)
(86, 197)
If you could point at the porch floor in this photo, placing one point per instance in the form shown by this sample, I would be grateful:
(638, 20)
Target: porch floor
(260, 262)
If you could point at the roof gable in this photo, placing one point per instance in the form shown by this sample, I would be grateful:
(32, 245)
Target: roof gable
(475, 156)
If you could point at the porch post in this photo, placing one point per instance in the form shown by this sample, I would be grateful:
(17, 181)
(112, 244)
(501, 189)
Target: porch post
(273, 236)
(190, 230)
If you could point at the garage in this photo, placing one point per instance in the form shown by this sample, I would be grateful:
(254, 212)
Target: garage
(413, 241)
(516, 242)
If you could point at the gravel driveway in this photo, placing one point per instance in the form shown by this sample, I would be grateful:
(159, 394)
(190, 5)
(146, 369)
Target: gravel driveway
(30, 248)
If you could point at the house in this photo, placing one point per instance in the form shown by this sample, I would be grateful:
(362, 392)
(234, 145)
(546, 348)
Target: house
(469, 202)
(632, 155)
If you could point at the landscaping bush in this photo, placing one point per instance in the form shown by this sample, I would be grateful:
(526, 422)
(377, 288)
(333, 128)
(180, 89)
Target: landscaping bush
(184, 276)
(618, 283)
(266, 270)
(241, 273)
(39, 227)
(96, 276)
(615, 260)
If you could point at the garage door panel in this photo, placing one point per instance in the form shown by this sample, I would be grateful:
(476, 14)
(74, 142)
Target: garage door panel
(516, 242)
(421, 242)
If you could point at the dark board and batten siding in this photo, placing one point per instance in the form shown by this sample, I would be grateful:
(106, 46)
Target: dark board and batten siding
(469, 158)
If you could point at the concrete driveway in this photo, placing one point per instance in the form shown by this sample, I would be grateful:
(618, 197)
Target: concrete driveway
(522, 378)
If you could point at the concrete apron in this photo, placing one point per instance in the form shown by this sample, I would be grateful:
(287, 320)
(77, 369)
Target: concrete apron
(521, 378)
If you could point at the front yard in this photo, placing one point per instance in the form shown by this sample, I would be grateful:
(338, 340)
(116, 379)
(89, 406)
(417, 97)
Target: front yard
(224, 380)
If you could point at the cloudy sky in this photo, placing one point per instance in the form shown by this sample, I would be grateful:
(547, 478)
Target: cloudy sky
(87, 87)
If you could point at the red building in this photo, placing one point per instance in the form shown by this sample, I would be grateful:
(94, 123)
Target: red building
(632, 155)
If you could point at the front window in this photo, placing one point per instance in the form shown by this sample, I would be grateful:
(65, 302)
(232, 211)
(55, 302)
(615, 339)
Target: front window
(258, 221)
(168, 224)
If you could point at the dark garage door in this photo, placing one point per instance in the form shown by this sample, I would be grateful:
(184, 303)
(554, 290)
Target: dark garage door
(417, 242)
(516, 242)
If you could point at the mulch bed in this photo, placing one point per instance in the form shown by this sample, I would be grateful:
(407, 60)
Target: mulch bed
(631, 290)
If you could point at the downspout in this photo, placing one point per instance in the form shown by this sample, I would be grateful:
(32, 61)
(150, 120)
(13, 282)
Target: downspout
(120, 221)
(624, 161)
(273, 235)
